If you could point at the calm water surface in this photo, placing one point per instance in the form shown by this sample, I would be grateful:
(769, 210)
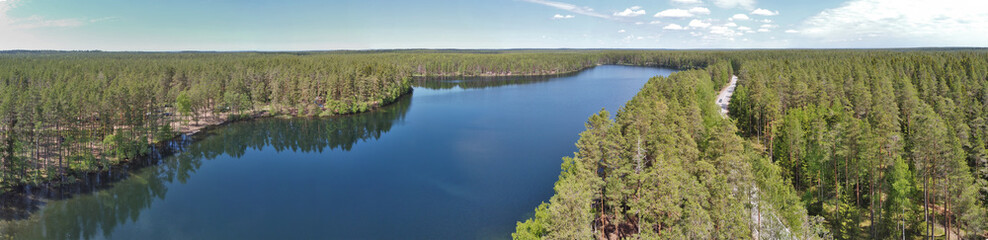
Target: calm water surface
(459, 160)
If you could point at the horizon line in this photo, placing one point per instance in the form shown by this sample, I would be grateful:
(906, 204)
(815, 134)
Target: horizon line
(479, 49)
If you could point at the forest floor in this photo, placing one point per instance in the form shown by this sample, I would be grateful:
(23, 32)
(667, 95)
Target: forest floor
(189, 127)
(724, 98)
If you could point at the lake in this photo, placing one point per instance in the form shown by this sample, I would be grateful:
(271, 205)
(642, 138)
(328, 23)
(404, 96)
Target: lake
(459, 159)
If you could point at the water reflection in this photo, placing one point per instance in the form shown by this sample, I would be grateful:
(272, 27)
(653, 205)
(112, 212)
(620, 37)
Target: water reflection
(461, 165)
(96, 212)
(299, 134)
(483, 82)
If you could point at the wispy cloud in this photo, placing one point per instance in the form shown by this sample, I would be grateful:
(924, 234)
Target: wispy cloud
(746, 4)
(40, 22)
(7, 22)
(582, 10)
(20, 32)
(687, 1)
(739, 17)
(673, 27)
(674, 13)
(700, 10)
(764, 12)
(916, 22)
(724, 32)
(698, 24)
(631, 12)
(560, 16)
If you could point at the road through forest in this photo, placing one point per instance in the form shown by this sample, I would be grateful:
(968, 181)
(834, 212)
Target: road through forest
(724, 98)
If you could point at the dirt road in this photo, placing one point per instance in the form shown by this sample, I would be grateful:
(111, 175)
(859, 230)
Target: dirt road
(724, 98)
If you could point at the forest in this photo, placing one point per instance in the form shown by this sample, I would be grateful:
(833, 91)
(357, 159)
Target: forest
(844, 144)
(63, 114)
(69, 113)
(881, 144)
(233, 140)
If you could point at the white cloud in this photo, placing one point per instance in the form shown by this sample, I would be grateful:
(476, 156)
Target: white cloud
(631, 12)
(34, 21)
(903, 22)
(764, 12)
(731, 24)
(739, 17)
(767, 20)
(572, 8)
(762, 30)
(698, 24)
(673, 27)
(560, 16)
(687, 1)
(20, 32)
(746, 4)
(655, 22)
(743, 28)
(700, 10)
(639, 23)
(721, 32)
(674, 13)
(621, 31)
(791, 31)
(768, 26)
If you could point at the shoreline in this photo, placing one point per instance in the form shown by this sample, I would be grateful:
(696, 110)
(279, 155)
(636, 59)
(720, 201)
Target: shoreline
(21, 201)
(186, 133)
(550, 74)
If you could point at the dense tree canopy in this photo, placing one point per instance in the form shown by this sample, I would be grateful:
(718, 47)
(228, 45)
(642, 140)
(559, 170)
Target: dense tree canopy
(668, 166)
(882, 144)
(846, 144)
(67, 112)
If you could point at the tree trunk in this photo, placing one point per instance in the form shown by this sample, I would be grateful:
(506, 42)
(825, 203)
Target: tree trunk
(926, 200)
(836, 192)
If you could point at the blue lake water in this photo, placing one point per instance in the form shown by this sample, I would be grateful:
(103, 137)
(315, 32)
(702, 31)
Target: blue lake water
(461, 159)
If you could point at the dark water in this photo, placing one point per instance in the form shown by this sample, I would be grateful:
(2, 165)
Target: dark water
(458, 160)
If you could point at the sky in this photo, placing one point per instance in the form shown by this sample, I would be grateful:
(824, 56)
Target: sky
(254, 25)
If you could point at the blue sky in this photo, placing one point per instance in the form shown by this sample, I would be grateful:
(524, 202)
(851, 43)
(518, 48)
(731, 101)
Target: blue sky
(227, 25)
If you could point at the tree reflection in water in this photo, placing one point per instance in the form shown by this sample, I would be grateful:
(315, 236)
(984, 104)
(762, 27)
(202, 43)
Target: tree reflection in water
(101, 202)
(483, 82)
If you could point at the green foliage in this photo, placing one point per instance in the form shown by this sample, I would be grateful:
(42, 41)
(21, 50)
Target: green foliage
(183, 103)
(534, 228)
(881, 140)
(123, 147)
(666, 168)
(878, 142)
(164, 133)
(868, 138)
